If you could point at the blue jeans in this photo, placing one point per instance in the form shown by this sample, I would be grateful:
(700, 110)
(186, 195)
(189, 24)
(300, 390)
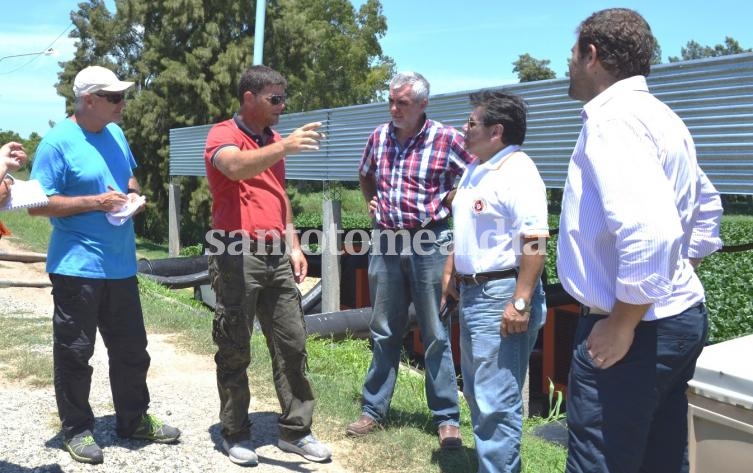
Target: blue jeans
(396, 278)
(494, 370)
(632, 416)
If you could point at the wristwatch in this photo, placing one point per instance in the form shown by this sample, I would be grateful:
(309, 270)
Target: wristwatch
(521, 305)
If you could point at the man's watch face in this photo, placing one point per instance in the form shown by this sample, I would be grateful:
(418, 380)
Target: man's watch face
(519, 304)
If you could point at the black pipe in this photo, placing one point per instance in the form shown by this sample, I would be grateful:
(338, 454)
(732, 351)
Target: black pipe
(312, 298)
(351, 322)
(176, 273)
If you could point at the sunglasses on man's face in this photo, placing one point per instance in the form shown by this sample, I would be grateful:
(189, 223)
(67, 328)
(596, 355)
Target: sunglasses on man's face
(276, 99)
(112, 98)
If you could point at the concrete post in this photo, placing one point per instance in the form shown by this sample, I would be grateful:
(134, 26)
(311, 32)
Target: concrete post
(173, 223)
(331, 243)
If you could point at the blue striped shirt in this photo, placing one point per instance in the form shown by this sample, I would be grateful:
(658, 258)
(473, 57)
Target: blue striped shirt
(635, 207)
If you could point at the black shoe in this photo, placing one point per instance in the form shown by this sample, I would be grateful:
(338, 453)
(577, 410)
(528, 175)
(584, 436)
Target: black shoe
(153, 429)
(84, 449)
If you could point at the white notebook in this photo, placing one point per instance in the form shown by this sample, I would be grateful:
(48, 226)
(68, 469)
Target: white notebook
(25, 194)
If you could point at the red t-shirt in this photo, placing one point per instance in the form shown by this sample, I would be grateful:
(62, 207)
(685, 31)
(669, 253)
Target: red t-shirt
(255, 204)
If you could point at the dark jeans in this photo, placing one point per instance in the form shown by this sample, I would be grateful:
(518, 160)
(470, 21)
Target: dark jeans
(249, 286)
(81, 306)
(632, 417)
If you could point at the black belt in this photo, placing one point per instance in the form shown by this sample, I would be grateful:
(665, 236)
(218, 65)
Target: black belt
(585, 311)
(481, 278)
(432, 224)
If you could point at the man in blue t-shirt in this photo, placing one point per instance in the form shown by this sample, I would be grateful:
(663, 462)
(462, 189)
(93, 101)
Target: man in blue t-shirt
(86, 168)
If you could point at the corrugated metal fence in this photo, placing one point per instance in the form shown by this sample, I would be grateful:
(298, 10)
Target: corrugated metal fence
(713, 96)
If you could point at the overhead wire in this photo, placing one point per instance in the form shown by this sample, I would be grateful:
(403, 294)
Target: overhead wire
(36, 57)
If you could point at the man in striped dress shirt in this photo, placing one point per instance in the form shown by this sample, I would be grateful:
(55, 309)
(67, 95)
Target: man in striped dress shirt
(407, 173)
(637, 215)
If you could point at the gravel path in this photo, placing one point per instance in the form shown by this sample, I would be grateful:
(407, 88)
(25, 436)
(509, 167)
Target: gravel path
(183, 393)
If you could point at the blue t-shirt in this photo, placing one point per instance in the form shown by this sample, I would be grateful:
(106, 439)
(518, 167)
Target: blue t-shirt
(71, 161)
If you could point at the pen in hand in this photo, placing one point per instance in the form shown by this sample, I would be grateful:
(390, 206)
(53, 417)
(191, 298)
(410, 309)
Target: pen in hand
(112, 200)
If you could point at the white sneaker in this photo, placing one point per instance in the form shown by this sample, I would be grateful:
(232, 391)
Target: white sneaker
(308, 447)
(241, 452)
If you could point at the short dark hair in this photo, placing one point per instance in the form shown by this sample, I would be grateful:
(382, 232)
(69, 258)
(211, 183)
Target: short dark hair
(256, 78)
(508, 109)
(623, 40)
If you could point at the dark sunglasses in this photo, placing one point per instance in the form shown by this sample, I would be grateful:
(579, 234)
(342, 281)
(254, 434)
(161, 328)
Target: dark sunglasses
(276, 99)
(112, 98)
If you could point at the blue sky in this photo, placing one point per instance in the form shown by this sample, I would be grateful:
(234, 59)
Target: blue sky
(456, 45)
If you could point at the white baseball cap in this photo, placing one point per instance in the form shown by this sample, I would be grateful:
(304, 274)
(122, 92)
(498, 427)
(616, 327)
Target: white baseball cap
(97, 78)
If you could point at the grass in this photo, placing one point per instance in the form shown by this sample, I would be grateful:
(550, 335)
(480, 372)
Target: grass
(31, 233)
(26, 348)
(337, 370)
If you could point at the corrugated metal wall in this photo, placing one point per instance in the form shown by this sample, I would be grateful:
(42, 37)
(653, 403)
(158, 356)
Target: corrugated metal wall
(714, 96)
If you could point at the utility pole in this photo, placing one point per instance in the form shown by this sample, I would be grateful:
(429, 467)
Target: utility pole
(261, 10)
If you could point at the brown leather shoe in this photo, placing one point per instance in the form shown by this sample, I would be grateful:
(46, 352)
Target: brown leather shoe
(363, 426)
(449, 437)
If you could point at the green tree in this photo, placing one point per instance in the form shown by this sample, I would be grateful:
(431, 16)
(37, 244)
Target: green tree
(693, 50)
(30, 144)
(656, 57)
(530, 69)
(6, 136)
(186, 57)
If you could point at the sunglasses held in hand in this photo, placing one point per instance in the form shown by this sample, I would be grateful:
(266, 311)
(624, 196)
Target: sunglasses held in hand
(450, 305)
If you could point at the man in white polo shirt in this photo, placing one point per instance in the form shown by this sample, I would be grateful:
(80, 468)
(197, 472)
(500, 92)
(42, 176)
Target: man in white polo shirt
(500, 225)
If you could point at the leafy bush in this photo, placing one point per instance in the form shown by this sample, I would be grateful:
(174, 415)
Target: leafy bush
(728, 280)
(348, 220)
(194, 250)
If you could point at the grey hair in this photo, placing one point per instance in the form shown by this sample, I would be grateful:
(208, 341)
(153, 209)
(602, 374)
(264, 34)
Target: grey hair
(78, 103)
(418, 83)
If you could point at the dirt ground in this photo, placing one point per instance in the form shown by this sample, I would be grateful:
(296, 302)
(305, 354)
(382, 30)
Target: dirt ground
(192, 409)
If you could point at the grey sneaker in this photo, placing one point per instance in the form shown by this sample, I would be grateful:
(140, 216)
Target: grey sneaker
(151, 428)
(308, 447)
(241, 452)
(84, 449)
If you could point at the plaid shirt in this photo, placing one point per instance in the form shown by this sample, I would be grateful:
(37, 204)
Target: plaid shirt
(413, 180)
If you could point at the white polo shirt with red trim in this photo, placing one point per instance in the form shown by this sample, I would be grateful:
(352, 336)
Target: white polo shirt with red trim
(498, 202)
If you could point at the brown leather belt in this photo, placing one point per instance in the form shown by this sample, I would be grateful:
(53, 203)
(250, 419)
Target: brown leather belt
(481, 278)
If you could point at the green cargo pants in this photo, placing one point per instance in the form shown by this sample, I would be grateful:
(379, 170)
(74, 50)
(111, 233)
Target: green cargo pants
(249, 286)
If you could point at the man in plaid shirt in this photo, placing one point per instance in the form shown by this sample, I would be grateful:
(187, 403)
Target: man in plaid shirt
(407, 173)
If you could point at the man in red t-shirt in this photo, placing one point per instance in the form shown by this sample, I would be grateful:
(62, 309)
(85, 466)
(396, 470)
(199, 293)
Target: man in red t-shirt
(255, 262)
